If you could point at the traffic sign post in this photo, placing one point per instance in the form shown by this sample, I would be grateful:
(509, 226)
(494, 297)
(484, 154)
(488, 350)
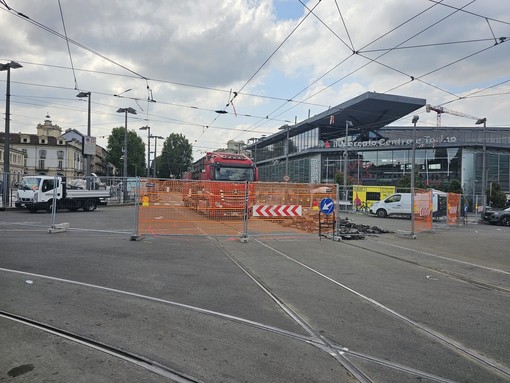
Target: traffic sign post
(327, 207)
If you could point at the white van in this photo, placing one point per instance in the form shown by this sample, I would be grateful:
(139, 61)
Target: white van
(395, 204)
(400, 204)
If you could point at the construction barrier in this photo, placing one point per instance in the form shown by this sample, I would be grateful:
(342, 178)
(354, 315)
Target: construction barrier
(212, 208)
(454, 209)
(242, 209)
(423, 210)
(184, 207)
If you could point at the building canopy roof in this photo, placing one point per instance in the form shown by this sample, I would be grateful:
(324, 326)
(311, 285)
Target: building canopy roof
(367, 112)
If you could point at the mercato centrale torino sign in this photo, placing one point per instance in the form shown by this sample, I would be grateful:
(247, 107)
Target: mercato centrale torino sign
(383, 142)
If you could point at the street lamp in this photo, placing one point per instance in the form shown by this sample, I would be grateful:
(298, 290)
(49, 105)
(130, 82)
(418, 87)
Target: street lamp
(413, 170)
(148, 129)
(484, 161)
(346, 158)
(7, 67)
(89, 156)
(155, 150)
(126, 111)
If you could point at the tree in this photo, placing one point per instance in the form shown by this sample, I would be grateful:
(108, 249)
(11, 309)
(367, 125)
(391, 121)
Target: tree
(339, 179)
(136, 151)
(405, 182)
(496, 197)
(176, 156)
(455, 187)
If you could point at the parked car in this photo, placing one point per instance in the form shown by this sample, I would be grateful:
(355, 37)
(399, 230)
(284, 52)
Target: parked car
(501, 217)
(488, 214)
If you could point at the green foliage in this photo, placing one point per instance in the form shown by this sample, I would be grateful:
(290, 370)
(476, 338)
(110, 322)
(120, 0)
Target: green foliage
(495, 196)
(455, 187)
(339, 179)
(405, 182)
(136, 152)
(175, 158)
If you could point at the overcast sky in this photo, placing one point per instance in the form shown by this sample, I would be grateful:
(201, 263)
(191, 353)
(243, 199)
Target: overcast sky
(264, 62)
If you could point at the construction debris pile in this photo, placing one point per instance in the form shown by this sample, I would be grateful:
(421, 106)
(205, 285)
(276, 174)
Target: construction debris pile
(350, 230)
(309, 222)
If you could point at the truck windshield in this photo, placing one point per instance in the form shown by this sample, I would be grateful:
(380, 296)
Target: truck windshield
(29, 183)
(225, 173)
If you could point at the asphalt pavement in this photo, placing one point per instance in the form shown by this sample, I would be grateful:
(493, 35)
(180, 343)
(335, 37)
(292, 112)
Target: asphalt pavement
(89, 304)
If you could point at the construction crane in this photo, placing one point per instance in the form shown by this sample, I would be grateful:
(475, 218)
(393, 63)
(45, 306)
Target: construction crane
(479, 121)
(440, 110)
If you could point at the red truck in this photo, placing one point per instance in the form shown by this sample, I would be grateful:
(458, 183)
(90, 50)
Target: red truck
(219, 184)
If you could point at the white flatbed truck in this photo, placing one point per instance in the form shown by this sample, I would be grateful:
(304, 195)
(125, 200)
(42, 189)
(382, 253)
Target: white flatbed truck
(39, 193)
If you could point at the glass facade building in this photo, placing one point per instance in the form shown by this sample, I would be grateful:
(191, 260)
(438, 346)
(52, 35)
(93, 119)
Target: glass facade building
(382, 156)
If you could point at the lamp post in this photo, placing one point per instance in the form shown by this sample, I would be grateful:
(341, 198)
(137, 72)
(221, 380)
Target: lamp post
(148, 129)
(346, 158)
(7, 67)
(484, 161)
(125, 111)
(89, 156)
(287, 153)
(413, 170)
(155, 151)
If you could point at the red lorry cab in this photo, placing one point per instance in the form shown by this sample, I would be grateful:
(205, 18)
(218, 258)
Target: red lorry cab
(226, 181)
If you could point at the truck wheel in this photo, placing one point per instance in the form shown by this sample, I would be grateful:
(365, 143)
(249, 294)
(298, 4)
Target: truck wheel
(381, 213)
(89, 205)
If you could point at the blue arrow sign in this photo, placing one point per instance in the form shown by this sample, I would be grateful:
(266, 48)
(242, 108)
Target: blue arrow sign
(327, 206)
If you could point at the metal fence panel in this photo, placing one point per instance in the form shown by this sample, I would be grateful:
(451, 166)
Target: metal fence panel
(287, 208)
(182, 207)
(454, 209)
(423, 210)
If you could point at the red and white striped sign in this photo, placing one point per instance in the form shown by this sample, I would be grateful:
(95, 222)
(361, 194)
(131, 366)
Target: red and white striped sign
(277, 210)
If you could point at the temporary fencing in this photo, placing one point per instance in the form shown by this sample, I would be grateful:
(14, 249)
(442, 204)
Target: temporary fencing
(423, 210)
(213, 208)
(184, 207)
(454, 209)
(282, 208)
(242, 209)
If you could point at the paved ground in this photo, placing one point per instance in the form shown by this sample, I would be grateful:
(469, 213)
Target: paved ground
(91, 305)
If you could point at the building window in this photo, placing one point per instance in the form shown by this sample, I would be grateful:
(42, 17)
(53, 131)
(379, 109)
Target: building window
(60, 154)
(41, 164)
(60, 165)
(42, 153)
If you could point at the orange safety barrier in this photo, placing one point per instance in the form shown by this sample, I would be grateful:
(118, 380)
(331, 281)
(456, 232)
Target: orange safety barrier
(279, 203)
(423, 210)
(184, 207)
(453, 212)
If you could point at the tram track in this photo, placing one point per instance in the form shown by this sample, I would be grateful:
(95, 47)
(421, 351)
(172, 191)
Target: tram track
(148, 364)
(453, 274)
(452, 344)
(339, 352)
(314, 338)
